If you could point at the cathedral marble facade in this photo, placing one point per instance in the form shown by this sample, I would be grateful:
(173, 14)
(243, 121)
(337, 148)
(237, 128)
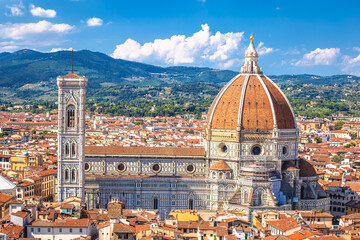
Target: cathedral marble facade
(250, 159)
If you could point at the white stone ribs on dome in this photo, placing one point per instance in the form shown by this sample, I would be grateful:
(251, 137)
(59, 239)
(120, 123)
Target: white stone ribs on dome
(286, 99)
(219, 97)
(270, 100)
(242, 99)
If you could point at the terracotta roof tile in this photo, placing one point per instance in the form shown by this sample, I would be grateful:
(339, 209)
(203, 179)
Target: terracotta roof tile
(220, 165)
(116, 150)
(5, 198)
(14, 231)
(284, 224)
(22, 214)
(226, 111)
(71, 75)
(257, 113)
(284, 116)
(67, 222)
(306, 169)
(256, 109)
(123, 228)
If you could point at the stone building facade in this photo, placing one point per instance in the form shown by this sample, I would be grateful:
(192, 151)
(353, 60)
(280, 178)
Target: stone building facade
(250, 160)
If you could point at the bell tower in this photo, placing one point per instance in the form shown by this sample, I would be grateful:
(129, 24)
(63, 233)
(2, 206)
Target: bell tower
(71, 135)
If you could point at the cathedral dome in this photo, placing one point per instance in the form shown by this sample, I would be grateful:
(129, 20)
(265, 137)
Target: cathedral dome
(251, 101)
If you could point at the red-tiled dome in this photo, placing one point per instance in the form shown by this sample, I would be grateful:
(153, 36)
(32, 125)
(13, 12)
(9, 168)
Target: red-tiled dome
(306, 169)
(251, 102)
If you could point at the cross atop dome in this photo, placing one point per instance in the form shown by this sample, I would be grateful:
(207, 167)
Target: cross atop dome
(251, 65)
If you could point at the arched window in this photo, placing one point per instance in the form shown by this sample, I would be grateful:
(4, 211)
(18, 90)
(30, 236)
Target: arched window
(258, 197)
(66, 174)
(67, 150)
(156, 203)
(73, 175)
(73, 150)
(191, 203)
(70, 116)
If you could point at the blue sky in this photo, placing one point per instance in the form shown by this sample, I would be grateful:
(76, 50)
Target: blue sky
(292, 37)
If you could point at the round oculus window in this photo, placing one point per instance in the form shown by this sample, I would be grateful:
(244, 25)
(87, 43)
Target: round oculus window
(156, 168)
(121, 167)
(222, 149)
(87, 167)
(256, 150)
(190, 168)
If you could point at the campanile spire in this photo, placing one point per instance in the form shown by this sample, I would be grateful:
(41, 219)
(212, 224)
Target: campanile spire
(251, 65)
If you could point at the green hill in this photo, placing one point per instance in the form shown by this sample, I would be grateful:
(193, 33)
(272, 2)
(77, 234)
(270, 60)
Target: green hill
(27, 75)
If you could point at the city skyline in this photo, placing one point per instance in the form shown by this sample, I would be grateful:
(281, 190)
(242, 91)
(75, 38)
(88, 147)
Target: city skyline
(291, 38)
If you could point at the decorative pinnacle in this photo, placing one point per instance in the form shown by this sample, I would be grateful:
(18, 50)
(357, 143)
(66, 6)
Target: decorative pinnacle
(251, 37)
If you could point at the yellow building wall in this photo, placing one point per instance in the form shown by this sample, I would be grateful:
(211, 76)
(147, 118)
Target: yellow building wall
(185, 216)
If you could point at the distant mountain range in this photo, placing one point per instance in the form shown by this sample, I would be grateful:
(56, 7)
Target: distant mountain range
(28, 74)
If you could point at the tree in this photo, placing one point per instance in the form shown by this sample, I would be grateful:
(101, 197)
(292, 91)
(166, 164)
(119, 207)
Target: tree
(33, 131)
(337, 159)
(4, 134)
(339, 125)
(319, 140)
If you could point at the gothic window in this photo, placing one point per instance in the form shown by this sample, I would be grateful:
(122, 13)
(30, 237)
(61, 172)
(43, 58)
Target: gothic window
(73, 175)
(73, 150)
(245, 198)
(66, 175)
(191, 203)
(156, 203)
(70, 116)
(67, 150)
(258, 197)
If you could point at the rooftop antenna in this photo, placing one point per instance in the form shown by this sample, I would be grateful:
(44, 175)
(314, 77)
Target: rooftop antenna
(72, 61)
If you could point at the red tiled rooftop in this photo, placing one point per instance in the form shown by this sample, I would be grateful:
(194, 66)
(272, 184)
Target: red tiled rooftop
(162, 151)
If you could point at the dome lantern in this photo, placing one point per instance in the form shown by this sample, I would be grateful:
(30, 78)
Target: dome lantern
(251, 65)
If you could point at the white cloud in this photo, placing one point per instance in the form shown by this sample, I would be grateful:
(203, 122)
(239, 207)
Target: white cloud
(263, 50)
(15, 9)
(200, 48)
(92, 22)
(40, 12)
(356, 49)
(292, 51)
(8, 47)
(351, 65)
(23, 30)
(349, 60)
(326, 56)
(61, 49)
